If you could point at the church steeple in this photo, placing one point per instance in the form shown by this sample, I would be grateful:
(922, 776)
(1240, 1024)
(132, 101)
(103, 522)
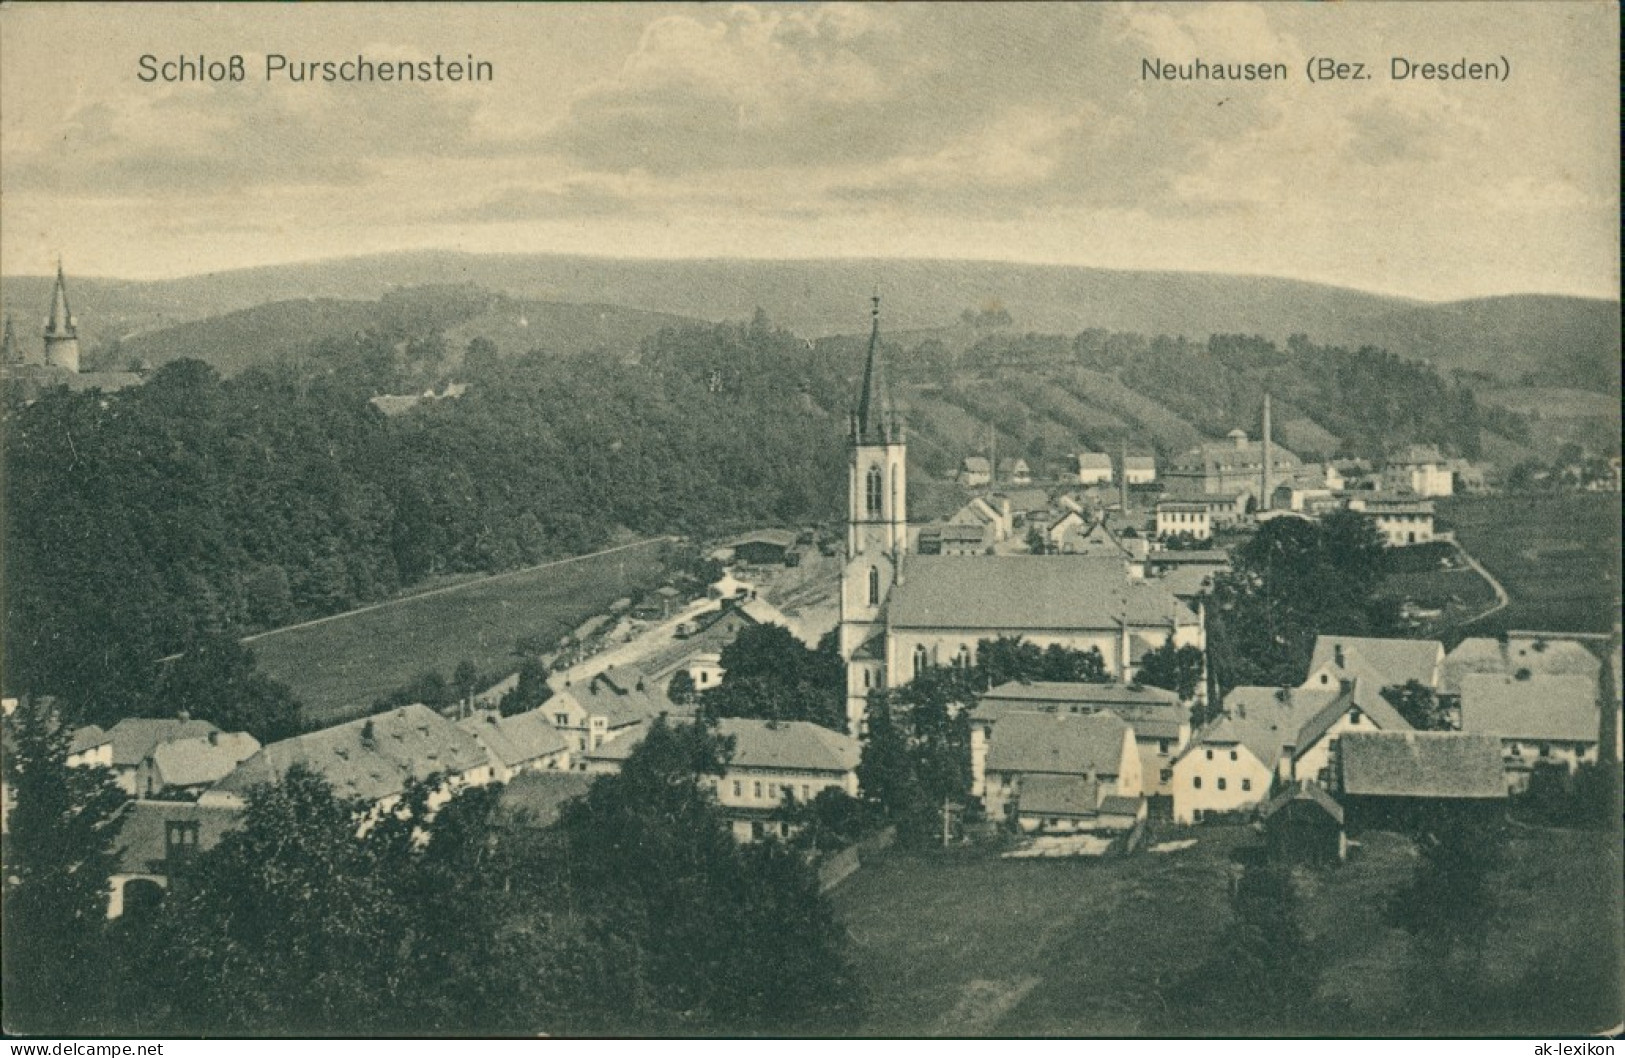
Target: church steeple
(10, 352)
(61, 329)
(876, 419)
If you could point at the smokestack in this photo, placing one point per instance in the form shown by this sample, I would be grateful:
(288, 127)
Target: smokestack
(1122, 478)
(1269, 484)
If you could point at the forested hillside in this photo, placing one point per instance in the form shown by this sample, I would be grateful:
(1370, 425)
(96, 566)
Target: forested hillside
(138, 521)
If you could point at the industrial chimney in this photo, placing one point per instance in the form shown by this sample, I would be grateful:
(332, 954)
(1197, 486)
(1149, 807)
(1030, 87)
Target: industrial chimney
(1268, 483)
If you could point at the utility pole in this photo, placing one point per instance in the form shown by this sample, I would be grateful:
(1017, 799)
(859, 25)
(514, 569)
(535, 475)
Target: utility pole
(945, 817)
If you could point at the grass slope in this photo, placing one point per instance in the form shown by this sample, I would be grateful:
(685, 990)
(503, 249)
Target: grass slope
(968, 945)
(1557, 556)
(340, 665)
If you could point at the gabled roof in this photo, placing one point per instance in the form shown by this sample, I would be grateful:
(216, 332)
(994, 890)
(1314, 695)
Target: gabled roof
(141, 842)
(201, 760)
(515, 740)
(1263, 719)
(366, 763)
(1058, 744)
(87, 738)
(1021, 592)
(1543, 707)
(1059, 795)
(1433, 764)
(1358, 695)
(1094, 461)
(617, 749)
(977, 465)
(1551, 656)
(794, 745)
(134, 738)
(1380, 662)
(1140, 462)
(1026, 500)
(1303, 792)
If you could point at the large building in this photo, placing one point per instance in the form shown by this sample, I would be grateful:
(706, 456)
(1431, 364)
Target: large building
(1232, 466)
(902, 612)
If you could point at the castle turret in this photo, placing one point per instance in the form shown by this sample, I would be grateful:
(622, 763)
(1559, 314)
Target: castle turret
(61, 330)
(10, 351)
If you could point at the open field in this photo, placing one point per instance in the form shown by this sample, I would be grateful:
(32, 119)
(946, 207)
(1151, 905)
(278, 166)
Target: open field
(1557, 556)
(340, 665)
(968, 944)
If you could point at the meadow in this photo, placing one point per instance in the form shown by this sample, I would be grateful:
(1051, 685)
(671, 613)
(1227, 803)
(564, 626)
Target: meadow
(965, 944)
(1558, 556)
(340, 665)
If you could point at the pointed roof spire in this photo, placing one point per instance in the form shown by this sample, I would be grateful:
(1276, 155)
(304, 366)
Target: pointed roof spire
(10, 351)
(874, 418)
(60, 323)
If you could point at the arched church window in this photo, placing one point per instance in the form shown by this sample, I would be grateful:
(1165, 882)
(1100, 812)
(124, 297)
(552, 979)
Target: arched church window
(873, 486)
(874, 586)
(921, 659)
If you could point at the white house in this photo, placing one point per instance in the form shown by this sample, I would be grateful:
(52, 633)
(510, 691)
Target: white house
(1400, 519)
(130, 742)
(1181, 518)
(1360, 707)
(975, 471)
(1140, 470)
(1015, 471)
(515, 745)
(610, 704)
(1079, 759)
(1539, 718)
(188, 766)
(1094, 468)
(1420, 469)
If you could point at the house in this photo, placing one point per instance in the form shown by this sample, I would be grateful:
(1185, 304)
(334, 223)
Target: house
(1384, 777)
(1094, 468)
(1070, 524)
(992, 514)
(1375, 662)
(132, 740)
(1023, 504)
(1533, 652)
(1358, 707)
(90, 747)
(1400, 519)
(1304, 824)
(1161, 724)
(155, 841)
(185, 767)
(1538, 718)
(1015, 471)
(1140, 470)
(1184, 518)
(1096, 540)
(519, 744)
(964, 539)
(1225, 468)
(611, 704)
(773, 763)
(369, 761)
(765, 547)
(1078, 760)
(1419, 469)
(975, 471)
(1312, 500)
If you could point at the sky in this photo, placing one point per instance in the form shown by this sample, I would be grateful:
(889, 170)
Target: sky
(990, 132)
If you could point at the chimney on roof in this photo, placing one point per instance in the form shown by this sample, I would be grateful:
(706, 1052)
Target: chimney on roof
(369, 736)
(214, 738)
(183, 716)
(1337, 654)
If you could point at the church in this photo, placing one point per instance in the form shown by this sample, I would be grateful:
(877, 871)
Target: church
(902, 612)
(29, 371)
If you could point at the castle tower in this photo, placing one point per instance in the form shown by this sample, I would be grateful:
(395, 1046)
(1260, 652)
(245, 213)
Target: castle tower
(10, 352)
(61, 331)
(877, 529)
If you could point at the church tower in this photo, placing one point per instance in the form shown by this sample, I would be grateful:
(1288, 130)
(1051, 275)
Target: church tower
(61, 331)
(877, 529)
(11, 353)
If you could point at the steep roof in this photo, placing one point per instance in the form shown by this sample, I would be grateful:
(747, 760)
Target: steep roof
(1381, 662)
(795, 745)
(1358, 695)
(1014, 593)
(515, 740)
(204, 759)
(617, 749)
(140, 844)
(85, 738)
(1059, 795)
(977, 465)
(1441, 764)
(1264, 719)
(873, 422)
(134, 738)
(1306, 792)
(1059, 744)
(1480, 654)
(1556, 707)
(1094, 461)
(369, 764)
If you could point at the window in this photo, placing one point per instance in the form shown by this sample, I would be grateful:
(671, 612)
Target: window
(1232, 756)
(1221, 783)
(1210, 754)
(866, 679)
(773, 791)
(561, 719)
(1196, 783)
(705, 677)
(1354, 717)
(806, 792)
(1515, 749)
(756, 790)
(874, 586)
(1246, 784)
(873, 488)
(739, 788)
(1167, 773)
(921, 659)
(1162, 746)
(1545, 749)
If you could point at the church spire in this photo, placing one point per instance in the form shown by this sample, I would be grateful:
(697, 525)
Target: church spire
(10, 352)
(875, 422)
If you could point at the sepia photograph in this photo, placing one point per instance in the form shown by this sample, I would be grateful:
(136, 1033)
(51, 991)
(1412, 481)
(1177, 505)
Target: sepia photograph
(811, 520)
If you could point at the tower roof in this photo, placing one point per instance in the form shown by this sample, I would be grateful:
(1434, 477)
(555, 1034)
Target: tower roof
(875, 419)
(60, 322)
(10, 352)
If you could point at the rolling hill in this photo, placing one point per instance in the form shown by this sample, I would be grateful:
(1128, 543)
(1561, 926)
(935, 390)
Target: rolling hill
(1561, 341)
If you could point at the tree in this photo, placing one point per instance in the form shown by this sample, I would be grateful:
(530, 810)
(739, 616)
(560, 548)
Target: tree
(216, 680)
(465, 680)
(771, 675)
(681, 688)
(530, 691)
(1419, 705)
(58, 858)
(1174, 668)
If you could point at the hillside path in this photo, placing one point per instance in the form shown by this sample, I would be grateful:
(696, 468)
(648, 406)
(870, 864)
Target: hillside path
(1501, 597)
